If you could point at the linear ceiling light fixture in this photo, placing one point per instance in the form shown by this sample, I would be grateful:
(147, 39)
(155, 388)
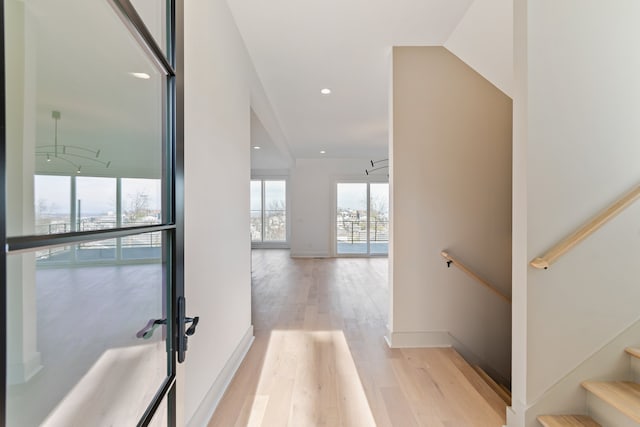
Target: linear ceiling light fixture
(71, 154)
(325, 91)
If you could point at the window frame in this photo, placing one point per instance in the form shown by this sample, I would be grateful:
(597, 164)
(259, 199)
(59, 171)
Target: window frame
(273, 244)
(351, 179)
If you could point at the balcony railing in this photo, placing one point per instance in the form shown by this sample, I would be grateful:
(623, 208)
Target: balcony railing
(136, 247)
(275, 225)
(355, 231)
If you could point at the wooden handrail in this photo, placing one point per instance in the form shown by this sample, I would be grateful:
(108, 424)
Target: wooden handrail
(452, 260)
(552, 255)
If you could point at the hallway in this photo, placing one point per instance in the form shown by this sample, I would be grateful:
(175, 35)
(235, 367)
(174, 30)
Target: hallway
(319, 356)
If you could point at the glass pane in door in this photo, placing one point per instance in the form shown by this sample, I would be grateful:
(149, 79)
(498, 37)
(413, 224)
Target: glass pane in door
(76, 107)
(95, 203)
(154, 16)
(52, 200)
(351, 218)
(379, 218)
(141, 202)
(77, 350)
(161, 417)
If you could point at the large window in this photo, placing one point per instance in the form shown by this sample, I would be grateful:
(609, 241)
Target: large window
(268, 210)
(99, 204)
(362, 218)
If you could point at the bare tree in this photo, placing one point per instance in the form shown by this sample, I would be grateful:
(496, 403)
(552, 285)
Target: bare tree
(137, 206)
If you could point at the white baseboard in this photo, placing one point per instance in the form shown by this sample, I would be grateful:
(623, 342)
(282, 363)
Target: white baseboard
(22, 372)
(419, 339)
(439, 339)
(309, 255)
(211, 400)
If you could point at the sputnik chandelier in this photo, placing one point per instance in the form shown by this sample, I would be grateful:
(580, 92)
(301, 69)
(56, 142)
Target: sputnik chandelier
(73, 155)
(376, 166)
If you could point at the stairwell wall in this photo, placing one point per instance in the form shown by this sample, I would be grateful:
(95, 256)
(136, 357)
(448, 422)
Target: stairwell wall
(575, 152)
(451, 189)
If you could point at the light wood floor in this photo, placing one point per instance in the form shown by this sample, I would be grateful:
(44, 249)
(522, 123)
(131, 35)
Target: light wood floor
(320, 359)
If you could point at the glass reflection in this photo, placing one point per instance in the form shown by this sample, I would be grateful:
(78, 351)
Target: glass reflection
(161, 417)
(154, 16)
(77, 355)
(77, 109)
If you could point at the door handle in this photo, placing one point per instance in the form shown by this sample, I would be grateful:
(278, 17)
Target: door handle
(147, 332)
(183, 335)
(194, 322)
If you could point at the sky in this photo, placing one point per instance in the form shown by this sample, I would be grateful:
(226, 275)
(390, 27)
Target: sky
(98, 195)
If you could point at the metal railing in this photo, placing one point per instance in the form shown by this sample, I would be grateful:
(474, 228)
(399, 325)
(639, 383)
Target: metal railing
(274, 226)
(355, 231)
(125, 244)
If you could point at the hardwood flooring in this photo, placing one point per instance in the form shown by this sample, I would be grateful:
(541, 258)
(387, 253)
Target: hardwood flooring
(320, 359)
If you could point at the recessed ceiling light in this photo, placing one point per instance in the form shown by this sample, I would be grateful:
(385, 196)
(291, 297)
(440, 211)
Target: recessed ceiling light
(323, 152)
(143, 76)
(325, 91)
(256, 147)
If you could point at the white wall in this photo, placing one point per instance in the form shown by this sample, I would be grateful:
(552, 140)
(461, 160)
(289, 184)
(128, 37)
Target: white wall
(269, 156)
(576, 151)
(484, 40)
(451, 190)
(23, 356)
(312, 201)
(220, 88)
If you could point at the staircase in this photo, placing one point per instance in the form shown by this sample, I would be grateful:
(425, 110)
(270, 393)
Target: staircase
(610, 403)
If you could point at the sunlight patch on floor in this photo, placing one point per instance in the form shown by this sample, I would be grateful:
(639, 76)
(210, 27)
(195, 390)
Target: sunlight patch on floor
(313, 373)
(115, 390)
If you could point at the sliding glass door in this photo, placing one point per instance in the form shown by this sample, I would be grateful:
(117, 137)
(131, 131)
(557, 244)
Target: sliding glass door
(268, 212)
(362, 218)
(379, 218)
(91, 230)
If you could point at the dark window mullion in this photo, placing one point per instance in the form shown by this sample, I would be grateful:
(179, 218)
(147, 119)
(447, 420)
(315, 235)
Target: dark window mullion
(3, 225)
(141, 33)
(27, 243)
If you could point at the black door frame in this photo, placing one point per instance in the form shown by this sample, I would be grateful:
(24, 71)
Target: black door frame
(173, 224)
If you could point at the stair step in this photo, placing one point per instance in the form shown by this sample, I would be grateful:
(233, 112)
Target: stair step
(499, 389)
(567, 421)
(478, 383)
(622, 395)
(635, 352)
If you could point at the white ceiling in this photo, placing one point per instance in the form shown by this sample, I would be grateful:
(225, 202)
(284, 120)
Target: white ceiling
(300, 47)
(102, 106)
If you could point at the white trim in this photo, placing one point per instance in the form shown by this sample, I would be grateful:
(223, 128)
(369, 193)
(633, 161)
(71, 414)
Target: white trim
(22, 372)
(210, 402)
(270, 245)
(441, 339)
(310, 255)
(434, 339)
